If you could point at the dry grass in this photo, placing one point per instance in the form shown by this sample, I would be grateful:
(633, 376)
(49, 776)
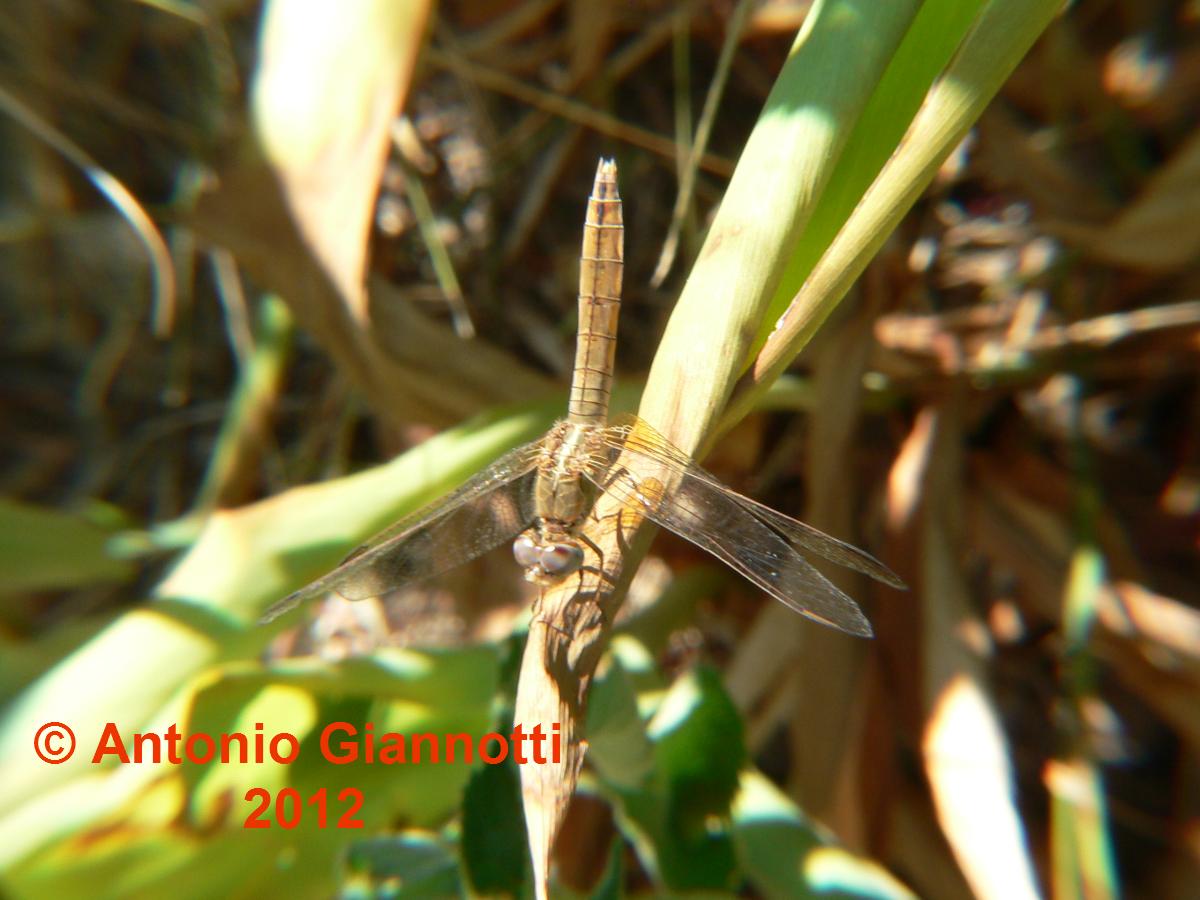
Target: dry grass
(1006, 409)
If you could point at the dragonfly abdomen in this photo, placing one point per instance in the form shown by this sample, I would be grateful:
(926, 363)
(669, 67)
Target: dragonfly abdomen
(600, 275)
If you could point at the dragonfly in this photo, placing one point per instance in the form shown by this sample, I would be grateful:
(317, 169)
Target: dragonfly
(539, 495)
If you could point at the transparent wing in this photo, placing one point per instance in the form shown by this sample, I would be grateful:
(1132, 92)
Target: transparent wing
(752, 538)
(493, 506)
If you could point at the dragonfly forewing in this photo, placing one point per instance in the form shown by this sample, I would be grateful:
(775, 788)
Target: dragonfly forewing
(490, 508)
(630, 433)
(651, 475)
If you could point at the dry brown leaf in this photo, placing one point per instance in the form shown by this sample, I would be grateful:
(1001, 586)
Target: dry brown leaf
(552, 688)
(964, 747)
(299, 221)
(1160, 230)
(410, 367)
(1013, 157)
(831, 665)
(1171, 627)
(331, 78)
(1171, 695)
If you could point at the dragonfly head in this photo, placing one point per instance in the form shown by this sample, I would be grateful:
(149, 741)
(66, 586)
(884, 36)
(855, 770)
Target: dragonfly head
(546, 562)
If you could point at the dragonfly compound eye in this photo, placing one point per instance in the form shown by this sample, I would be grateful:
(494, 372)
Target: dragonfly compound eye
(526, 551)
(561, 559)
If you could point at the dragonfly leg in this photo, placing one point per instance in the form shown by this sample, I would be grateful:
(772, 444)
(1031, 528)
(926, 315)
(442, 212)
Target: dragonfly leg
(591, 546)
(582, 571)
(648, 492)
(562, 632)
(598, 570)
(612, 475)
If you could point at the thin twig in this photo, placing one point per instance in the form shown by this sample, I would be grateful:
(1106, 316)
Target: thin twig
(708, 116)
(162, 270)
(439, 255)
(602, 122)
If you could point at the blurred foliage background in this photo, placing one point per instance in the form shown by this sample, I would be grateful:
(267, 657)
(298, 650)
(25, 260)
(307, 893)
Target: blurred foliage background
(199, 392)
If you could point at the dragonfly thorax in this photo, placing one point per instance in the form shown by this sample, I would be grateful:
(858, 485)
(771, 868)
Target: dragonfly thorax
(562, 498)
(561, 494)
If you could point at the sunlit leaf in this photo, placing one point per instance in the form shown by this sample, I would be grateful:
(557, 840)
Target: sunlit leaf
(48, 549)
